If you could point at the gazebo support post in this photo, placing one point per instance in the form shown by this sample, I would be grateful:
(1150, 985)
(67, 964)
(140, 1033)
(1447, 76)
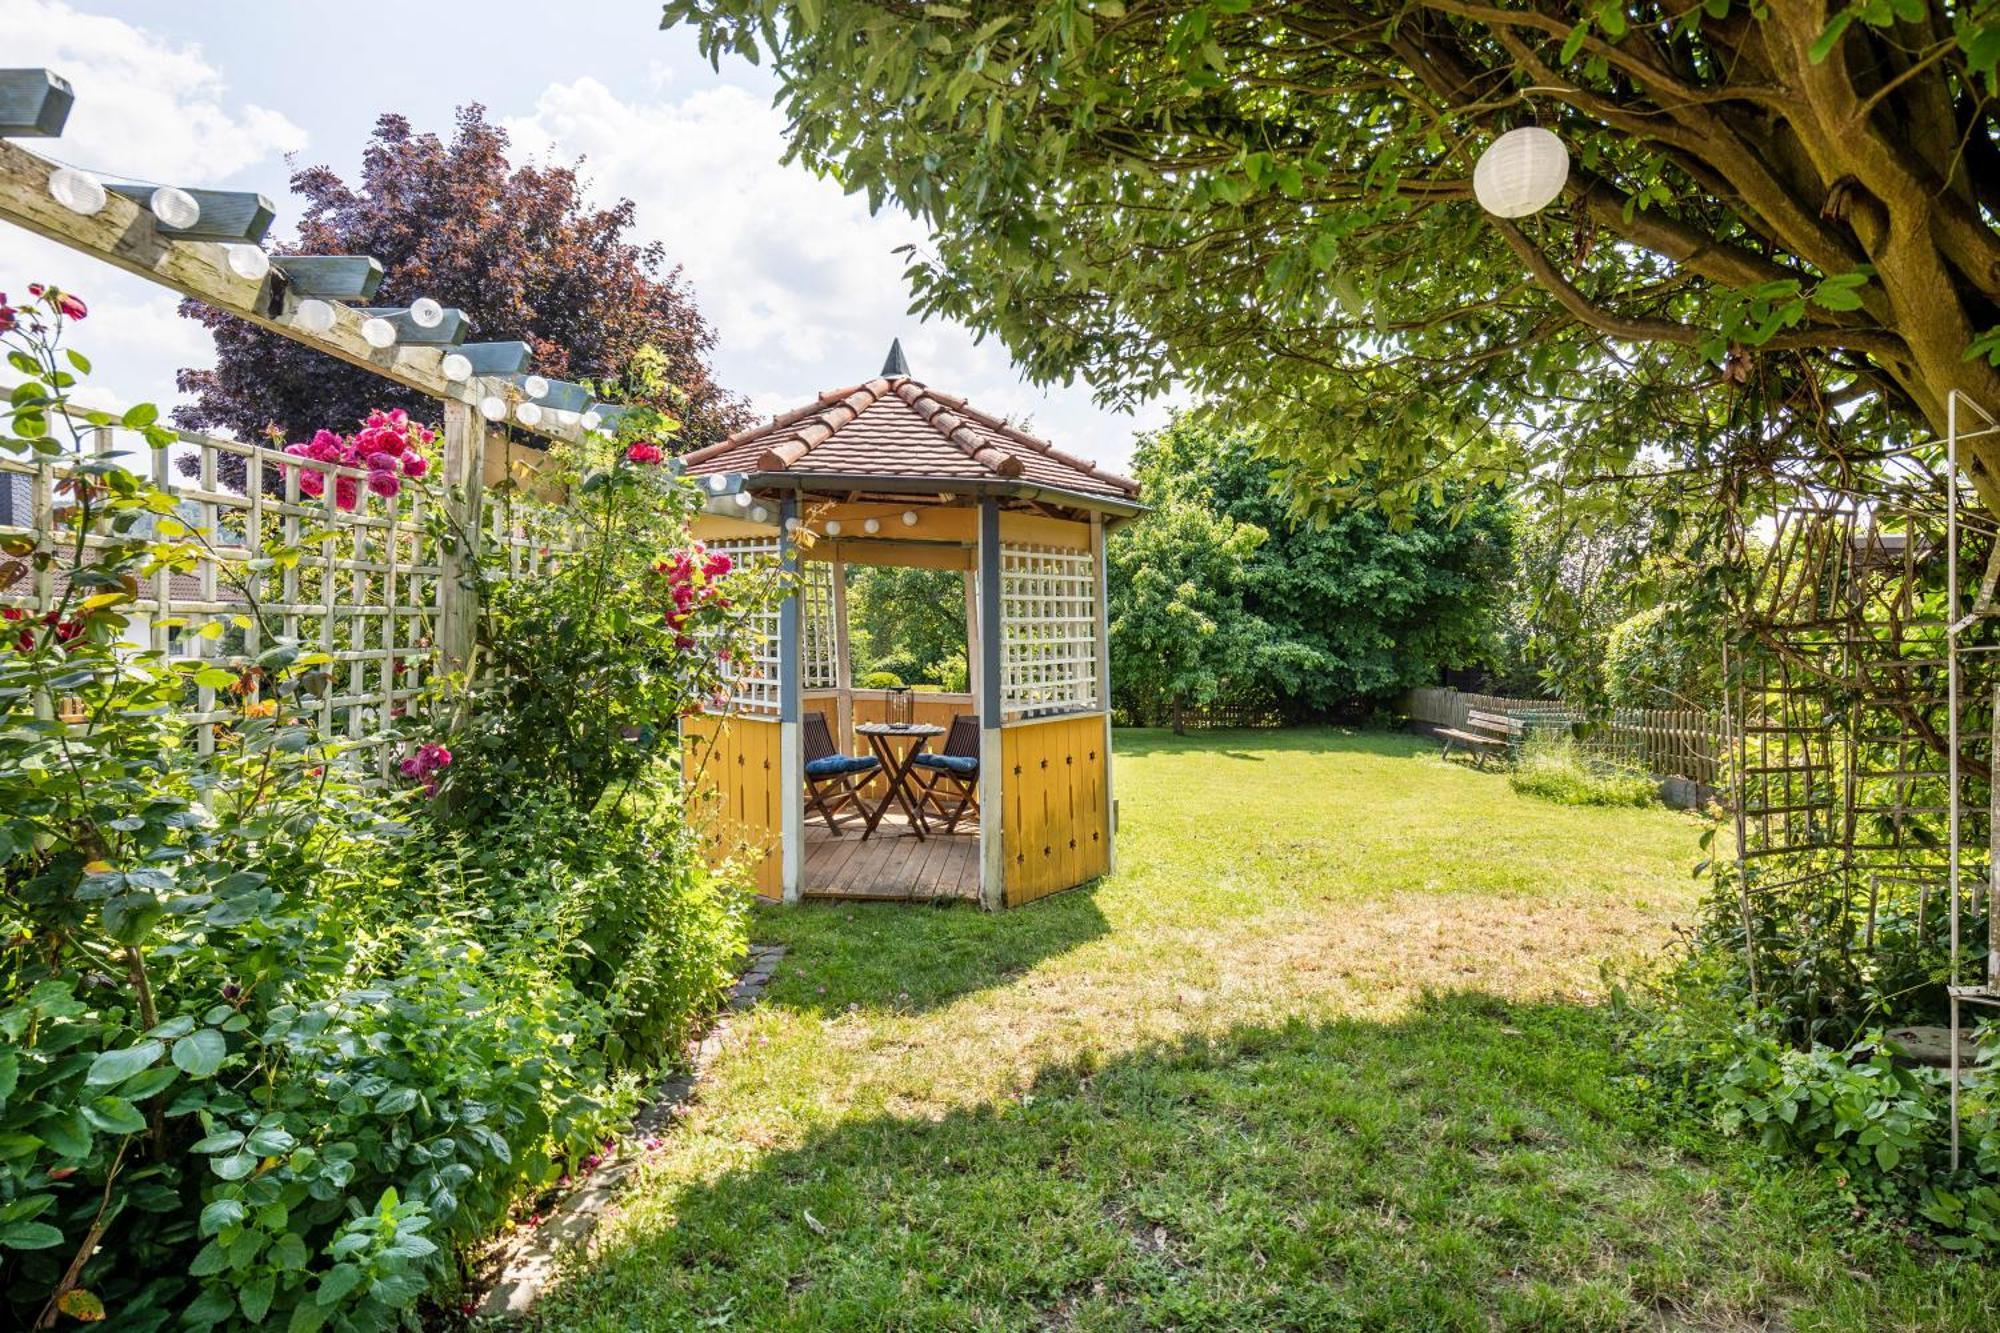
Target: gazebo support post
(992, 844)
(1101, 561)
(791, 749)
(843, 660)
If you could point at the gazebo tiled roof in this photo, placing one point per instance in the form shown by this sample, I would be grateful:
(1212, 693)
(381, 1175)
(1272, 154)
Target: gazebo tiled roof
(897, 429)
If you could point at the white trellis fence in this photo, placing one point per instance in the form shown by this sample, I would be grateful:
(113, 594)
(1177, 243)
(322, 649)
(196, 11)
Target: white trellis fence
(373, 587)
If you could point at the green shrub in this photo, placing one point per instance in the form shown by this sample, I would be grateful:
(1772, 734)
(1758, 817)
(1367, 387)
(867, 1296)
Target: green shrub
(879, 680)
(1553, 770)
(276, 1045)
(951, 673)
(1697, 1048)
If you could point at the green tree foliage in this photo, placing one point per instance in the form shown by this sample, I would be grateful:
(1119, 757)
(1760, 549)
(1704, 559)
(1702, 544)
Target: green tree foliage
(1245, 598)
(909, 623)
(1272, 204)
(1180, 633)
(519, 249)
(1652, 661)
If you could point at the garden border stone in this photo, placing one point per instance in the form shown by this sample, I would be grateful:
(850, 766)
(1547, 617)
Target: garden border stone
(518, 1269)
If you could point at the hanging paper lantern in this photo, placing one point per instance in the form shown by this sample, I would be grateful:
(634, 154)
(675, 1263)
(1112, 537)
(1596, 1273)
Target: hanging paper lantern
(1521, 172)
(378, 332)
(248, 262)
(314, 316)
(175, 207)
(426, 313)
(456, 367)
(78, 191)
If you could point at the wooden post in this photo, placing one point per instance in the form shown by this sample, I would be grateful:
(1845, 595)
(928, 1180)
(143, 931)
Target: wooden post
(465, 482)
(972, 672)
(1993, 848)
(791, 711)
(992, 780)
(843, 659)
(1103, 633)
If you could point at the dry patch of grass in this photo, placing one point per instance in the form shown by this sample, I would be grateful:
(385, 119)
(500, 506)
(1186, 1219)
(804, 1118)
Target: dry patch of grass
(1324, 1053)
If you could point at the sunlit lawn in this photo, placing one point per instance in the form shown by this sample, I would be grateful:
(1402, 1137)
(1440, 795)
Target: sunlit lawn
(1324, 1053)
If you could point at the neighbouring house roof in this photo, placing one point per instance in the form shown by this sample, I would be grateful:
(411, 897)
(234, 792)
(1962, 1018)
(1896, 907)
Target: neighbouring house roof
(897, 429)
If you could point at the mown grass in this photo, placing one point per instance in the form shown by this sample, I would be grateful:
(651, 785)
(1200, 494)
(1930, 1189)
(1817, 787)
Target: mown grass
(1324, 1053)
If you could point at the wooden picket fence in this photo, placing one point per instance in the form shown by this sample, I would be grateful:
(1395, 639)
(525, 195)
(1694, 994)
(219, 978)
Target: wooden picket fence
(1666, 742)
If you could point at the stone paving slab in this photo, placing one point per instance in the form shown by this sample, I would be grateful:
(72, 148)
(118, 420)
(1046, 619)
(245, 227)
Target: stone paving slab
(523, 1264)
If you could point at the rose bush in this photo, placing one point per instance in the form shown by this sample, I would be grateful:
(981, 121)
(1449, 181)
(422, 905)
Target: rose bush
(275, 1045)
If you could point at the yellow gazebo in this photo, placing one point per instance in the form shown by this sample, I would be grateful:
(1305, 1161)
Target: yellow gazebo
(892, 472)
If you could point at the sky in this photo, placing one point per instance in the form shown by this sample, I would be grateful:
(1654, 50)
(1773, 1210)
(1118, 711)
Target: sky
(800, 283)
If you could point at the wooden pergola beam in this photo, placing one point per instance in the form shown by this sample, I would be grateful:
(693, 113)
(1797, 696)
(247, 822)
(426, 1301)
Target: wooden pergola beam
(240, 217)
(123, 234)
(34, 103)
(330, 277)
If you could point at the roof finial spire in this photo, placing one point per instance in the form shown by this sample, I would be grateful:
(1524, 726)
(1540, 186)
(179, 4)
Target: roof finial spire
(896, 367)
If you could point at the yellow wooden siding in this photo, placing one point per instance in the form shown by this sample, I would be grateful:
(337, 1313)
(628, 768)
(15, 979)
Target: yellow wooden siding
(1055, 825)
(733, 793)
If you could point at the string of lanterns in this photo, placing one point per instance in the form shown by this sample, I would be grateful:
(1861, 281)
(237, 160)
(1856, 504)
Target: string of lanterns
(82, 192)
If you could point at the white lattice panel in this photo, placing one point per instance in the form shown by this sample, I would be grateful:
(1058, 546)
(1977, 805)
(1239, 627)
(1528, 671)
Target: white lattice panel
(754, 689)
(1048, 621)
(822, 659)
(366, 589)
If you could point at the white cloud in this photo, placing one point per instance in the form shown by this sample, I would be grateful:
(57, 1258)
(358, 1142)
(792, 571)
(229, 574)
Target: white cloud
(145, 106)
(801, 284)
(148, 107)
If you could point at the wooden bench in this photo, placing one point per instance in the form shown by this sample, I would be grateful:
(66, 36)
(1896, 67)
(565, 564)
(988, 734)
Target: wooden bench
(1482, 734)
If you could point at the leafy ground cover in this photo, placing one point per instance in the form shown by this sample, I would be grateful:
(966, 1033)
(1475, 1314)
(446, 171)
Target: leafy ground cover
(1327, 1051)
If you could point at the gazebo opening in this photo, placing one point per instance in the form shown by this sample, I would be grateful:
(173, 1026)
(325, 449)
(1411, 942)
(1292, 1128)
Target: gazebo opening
(838, 784)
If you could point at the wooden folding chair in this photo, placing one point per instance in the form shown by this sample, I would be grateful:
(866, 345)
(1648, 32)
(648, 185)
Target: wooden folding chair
(954, 769)
(833, 780)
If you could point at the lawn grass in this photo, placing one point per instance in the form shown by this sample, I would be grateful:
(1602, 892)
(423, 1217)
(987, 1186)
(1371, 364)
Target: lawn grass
(1324, 1053)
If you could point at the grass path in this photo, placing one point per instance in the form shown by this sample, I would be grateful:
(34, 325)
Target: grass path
(1323, 1054)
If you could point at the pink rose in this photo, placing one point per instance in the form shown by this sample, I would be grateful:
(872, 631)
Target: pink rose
(415, 465)
(643, 452)
(384, 484)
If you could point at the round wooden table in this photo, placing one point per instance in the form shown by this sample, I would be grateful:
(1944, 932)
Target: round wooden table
(897, 747)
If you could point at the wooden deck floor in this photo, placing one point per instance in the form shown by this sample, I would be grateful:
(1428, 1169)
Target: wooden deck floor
(891, 864)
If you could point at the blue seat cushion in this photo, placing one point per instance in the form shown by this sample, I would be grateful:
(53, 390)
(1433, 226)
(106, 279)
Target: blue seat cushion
(965, 765)
(840, 765)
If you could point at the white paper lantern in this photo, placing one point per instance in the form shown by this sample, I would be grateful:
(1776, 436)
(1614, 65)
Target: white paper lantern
(426, 313)
(833, 527)
(456, 367)
(78, 191)
(1521, 172)
(248, 262)
(718, 483)
(175, 207)
(314, 316)
(872, 526)
(591, 420)
(378, 332)
(744, 499)
(528, 414)
(493, 409)
(534, 386)
(909, 518)
(759, 514)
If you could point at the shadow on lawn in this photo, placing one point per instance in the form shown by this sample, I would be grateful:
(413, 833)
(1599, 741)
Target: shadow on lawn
(925, 957)
(1467, 1167)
